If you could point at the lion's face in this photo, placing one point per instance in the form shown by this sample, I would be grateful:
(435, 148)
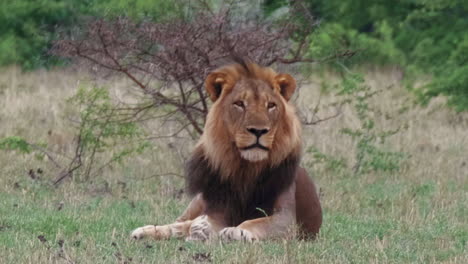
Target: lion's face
(250, 112)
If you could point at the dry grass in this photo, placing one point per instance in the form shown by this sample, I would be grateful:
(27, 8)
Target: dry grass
(417, 214)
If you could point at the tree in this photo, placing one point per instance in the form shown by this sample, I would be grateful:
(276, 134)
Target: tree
(28, 28)
(168, 61)
(423, 37)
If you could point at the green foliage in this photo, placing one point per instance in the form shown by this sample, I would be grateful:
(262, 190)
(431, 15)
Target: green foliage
(15, 143)
(27, 27)
(103, 129)
(137, 9)
(453, 79)
(371, 155)
(334, 38)
(104, 136)
(269, 6)
(330, 163)
(21, 145)
(436, 40)
(96, 117)
(423, 36)
(428, 37)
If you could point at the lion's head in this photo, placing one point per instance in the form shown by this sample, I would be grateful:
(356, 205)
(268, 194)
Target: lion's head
(251, 118)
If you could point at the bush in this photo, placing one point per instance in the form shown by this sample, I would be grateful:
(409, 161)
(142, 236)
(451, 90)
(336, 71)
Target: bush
(334, 38)
(105, 134)
(27, 27)
(428, 37)
(372, 153)
(155, 10)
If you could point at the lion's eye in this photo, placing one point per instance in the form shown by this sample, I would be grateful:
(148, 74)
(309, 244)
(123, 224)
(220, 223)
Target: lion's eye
(271, 106)
(239, 104)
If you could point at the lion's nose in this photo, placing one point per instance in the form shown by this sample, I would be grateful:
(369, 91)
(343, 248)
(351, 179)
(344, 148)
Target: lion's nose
(258, 132)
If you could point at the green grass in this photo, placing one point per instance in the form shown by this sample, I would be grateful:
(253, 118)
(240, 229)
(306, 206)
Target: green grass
(374, 227)
(417, 214)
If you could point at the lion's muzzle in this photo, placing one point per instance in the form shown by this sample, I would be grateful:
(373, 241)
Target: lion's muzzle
(254, 145)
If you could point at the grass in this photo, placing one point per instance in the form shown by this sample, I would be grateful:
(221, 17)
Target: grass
(415, 215)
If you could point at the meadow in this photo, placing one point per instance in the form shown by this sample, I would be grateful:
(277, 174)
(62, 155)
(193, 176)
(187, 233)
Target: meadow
(414, 213)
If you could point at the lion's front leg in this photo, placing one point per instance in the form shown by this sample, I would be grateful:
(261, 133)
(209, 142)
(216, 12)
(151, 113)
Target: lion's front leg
(201, 228)
(195, 208)
(276, 225)
(180, 229)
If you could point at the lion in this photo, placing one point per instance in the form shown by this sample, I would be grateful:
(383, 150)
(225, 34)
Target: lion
(244, 174)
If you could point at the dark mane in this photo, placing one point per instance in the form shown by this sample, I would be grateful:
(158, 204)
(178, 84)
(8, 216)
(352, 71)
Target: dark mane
(239, 202)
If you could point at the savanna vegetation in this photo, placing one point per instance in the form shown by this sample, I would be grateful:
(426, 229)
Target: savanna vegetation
(96, 127)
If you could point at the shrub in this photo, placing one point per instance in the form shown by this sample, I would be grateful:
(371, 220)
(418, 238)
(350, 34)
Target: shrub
(27, 27)
(104, 135)
(424, 37)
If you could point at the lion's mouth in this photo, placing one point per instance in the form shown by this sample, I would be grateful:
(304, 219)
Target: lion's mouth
(254, 146)
(254, 152)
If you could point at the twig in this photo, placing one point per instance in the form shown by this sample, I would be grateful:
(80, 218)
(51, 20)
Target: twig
(77, 158)
(47, 154)
(163, 175)
(322, 119)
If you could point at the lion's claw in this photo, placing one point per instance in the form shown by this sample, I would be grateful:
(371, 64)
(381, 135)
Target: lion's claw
(235, 233)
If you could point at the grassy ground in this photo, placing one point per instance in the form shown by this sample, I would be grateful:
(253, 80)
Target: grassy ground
(417, 214)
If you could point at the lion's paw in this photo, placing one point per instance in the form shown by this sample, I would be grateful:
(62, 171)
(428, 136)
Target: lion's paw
(139, 233)
(157, 232)
(235, 233)
(200, 230)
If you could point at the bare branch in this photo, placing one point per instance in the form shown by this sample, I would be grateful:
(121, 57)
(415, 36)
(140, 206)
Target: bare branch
(319, 120)
(45, 152)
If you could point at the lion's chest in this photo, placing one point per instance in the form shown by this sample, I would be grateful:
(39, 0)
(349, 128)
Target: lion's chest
(240, 205)
(236, 201)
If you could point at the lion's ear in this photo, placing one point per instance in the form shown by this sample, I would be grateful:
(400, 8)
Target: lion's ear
(287, 85)
(214, 84)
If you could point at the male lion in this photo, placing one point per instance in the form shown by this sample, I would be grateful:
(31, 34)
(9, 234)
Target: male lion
(244, 173)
